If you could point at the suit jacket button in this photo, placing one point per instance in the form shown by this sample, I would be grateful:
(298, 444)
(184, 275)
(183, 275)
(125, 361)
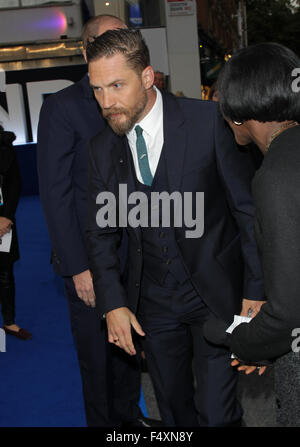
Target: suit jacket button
(137, 284)
(121, 160)
(139, 250)
(168, 261)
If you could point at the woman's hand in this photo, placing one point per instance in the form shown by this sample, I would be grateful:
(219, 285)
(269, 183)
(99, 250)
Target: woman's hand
(248, 368)
(5, 225)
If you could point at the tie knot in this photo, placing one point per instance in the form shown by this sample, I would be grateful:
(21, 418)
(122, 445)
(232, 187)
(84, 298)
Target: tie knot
(138, 130)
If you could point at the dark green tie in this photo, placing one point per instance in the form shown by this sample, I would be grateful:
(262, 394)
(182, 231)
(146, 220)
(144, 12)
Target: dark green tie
(142, 155)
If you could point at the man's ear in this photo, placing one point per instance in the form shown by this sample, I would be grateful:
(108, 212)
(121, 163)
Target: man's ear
(148, 77)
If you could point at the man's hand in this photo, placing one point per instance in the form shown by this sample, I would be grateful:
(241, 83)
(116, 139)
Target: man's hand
(119, 322)
(5, 226)
(252, 305)
(84, 287)
(248, 368)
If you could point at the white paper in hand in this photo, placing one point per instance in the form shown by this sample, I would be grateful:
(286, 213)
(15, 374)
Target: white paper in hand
(238, 319)
(5, 242)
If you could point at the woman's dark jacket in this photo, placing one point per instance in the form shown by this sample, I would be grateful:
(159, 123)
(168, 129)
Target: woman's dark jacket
(10, 183)
(276, 190)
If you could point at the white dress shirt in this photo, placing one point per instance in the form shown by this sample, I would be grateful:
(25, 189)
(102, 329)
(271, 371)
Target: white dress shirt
(153, 133)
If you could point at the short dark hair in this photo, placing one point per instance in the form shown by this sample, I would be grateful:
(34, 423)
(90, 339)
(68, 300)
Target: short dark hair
(125, 41)
(256, 83)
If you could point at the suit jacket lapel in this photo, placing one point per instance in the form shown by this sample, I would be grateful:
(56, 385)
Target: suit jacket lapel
(123, 165)
(175, 139)
(124, 169)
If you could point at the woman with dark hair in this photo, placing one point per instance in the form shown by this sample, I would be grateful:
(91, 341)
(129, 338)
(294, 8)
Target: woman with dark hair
(9, 196)
(259, 98)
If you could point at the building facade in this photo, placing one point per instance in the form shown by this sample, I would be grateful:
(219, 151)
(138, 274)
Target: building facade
(222, 29)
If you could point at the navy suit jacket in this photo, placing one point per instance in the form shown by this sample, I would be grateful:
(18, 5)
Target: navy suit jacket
(68, 119)
(201, 156)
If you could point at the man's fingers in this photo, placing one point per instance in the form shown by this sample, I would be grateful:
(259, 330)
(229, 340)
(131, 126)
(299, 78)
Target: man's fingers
(92, 299)
(84, 288)
(87, 296)
(128, 344)
(123, 341)
(112, 338)
(136, 326)
(83, 297)
(120, 322)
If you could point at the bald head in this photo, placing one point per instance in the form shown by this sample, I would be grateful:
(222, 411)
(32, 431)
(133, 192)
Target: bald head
(99, 25)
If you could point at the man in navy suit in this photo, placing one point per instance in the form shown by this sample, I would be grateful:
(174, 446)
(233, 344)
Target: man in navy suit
(176, 277)
(68, 119)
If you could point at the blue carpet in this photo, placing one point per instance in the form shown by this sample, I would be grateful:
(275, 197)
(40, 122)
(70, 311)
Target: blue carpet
(40, 383)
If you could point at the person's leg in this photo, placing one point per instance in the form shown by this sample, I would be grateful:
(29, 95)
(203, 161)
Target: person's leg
(7, 295)
(216, 389)
(102, 376)
(93, 357)
(168, 349)
(126, 384)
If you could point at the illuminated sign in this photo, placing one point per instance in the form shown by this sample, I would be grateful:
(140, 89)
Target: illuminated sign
(25, 91)
(34, 24)
(54, 21)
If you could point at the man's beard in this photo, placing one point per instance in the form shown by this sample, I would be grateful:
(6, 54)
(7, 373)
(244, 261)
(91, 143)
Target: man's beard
(132, 116)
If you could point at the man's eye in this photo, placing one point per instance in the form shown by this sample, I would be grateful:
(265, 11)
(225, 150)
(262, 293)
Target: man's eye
(117, 85)
(97, 89)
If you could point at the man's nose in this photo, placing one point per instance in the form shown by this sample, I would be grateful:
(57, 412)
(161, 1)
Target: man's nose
(107, 100)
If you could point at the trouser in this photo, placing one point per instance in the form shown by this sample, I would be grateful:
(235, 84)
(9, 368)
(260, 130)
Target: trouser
(178, 355)
(111, 379)
(7, 294)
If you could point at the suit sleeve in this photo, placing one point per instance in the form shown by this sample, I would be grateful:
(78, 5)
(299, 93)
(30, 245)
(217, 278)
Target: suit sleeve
(55, 156)
(269, 334)
(236, 172)
(103, 248)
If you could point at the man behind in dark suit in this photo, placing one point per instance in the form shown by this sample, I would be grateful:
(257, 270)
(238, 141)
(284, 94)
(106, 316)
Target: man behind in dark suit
(68, 120)
(174, 279)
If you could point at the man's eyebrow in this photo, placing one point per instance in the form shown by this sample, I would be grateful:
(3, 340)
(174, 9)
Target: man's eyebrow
(117, 81)
(93, 86)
